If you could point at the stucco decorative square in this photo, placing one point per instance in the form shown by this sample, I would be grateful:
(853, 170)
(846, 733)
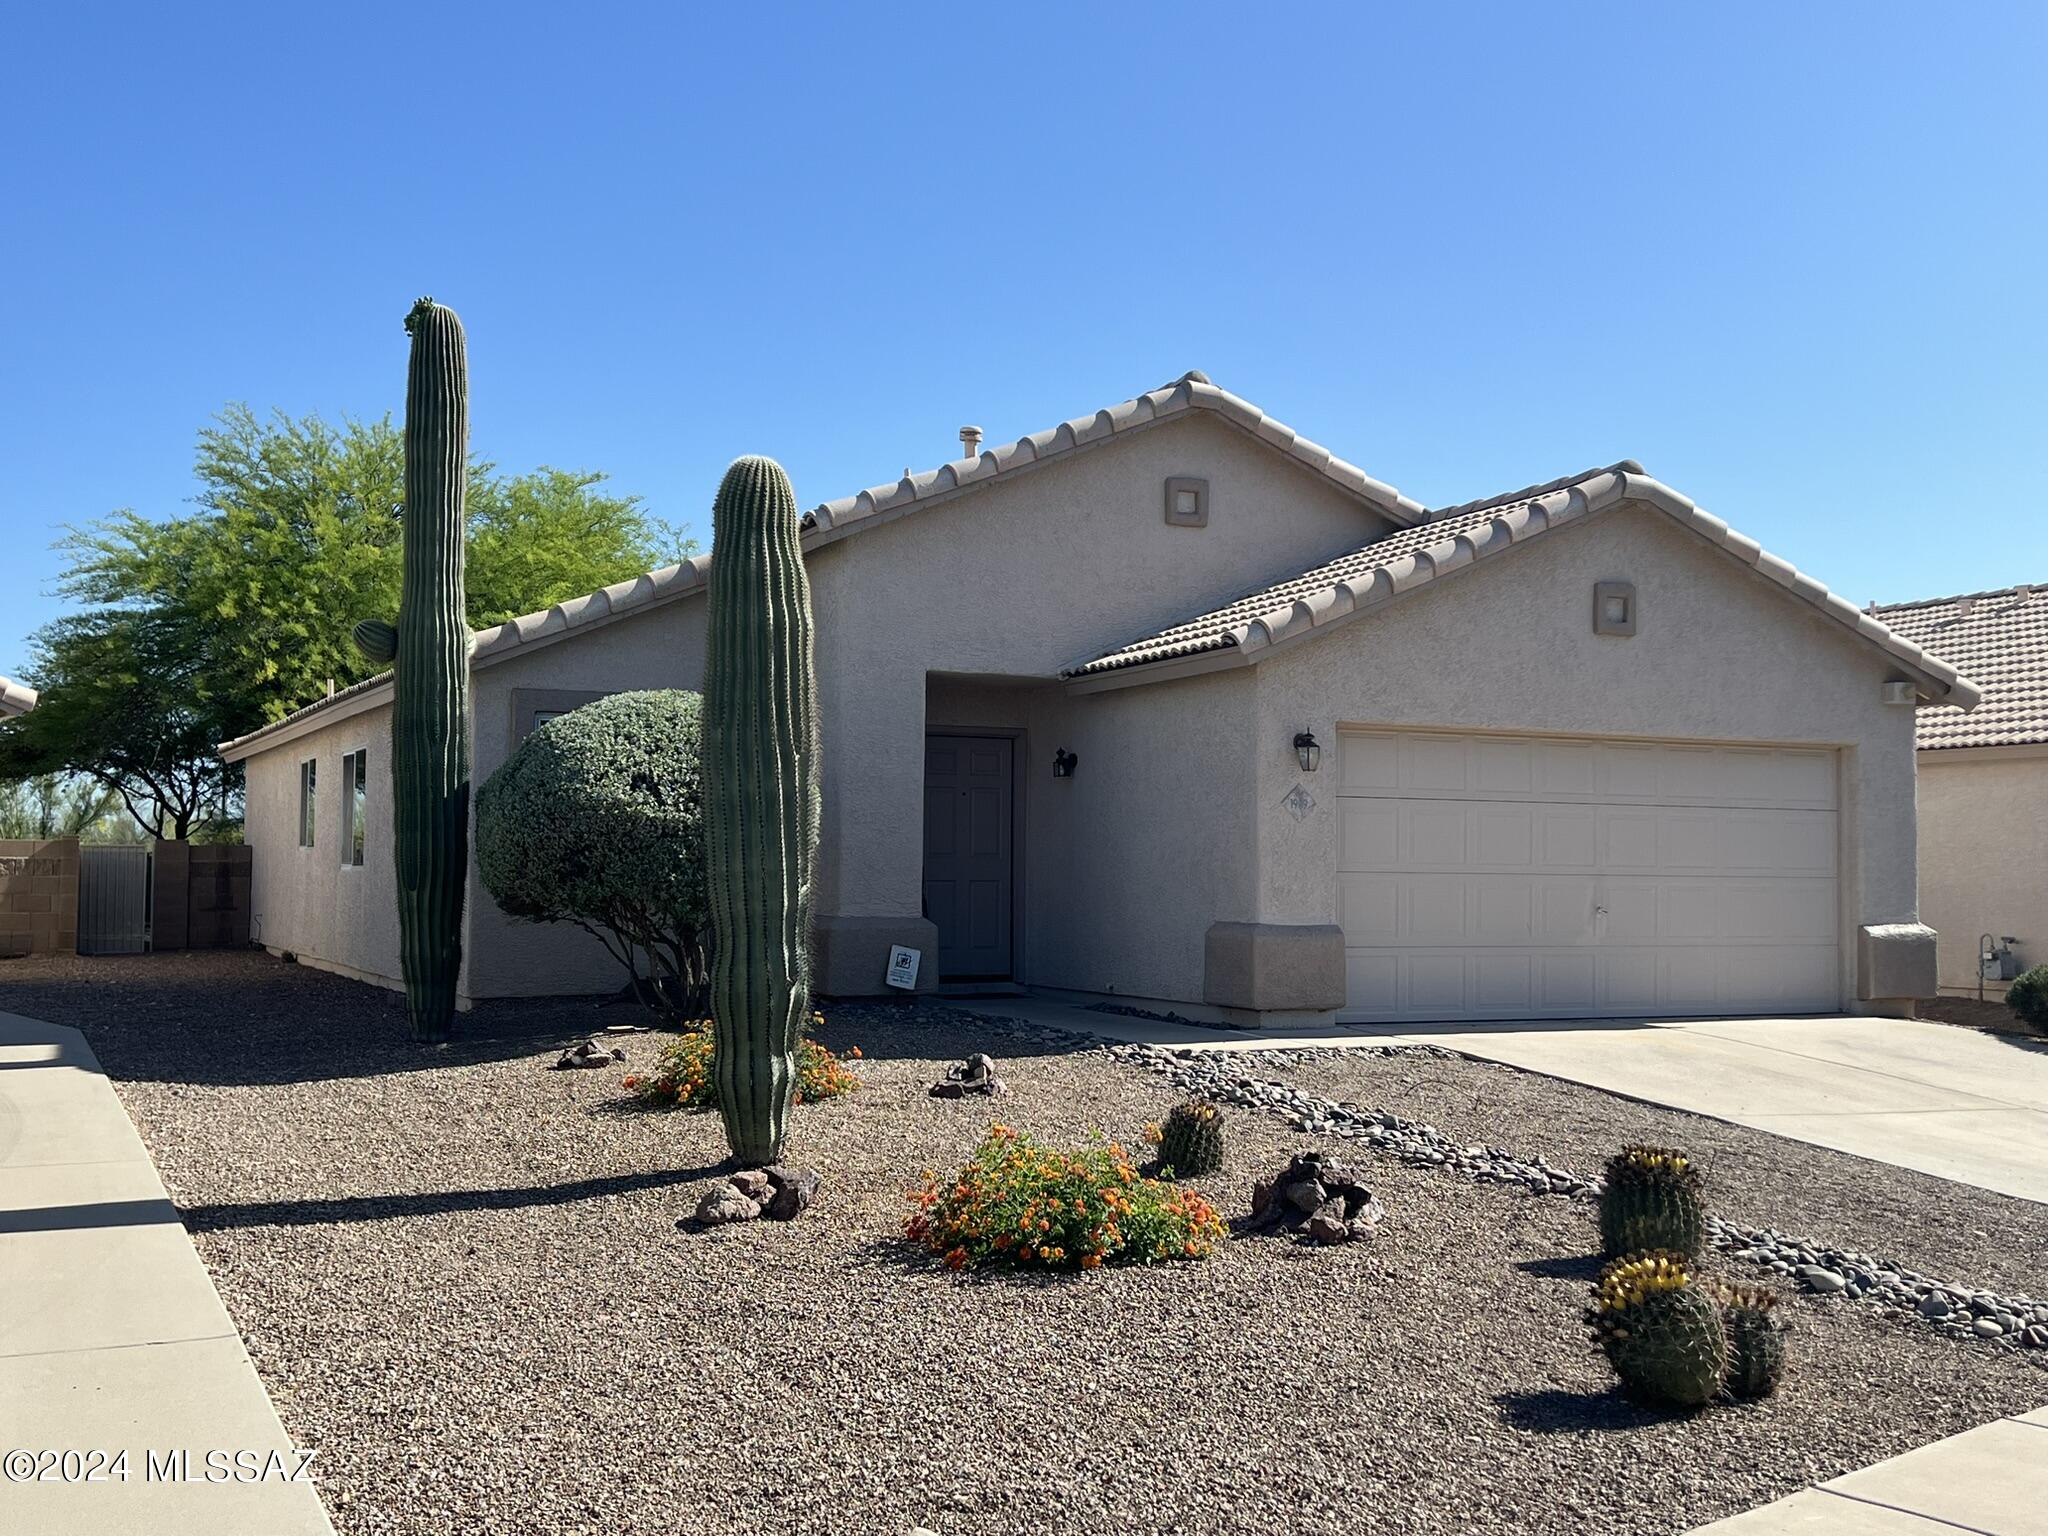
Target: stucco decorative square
(1614, 607)
(1187, 501)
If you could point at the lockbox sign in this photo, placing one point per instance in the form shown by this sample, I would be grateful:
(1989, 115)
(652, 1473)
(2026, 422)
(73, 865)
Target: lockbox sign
(903, 967)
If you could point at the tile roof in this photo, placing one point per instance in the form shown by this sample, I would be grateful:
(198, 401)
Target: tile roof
(1382, 570)
(834, 520)
(15, 698)
(2000, 639)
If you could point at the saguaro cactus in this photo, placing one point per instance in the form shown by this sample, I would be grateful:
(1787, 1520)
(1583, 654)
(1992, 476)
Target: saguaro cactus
(430, 648)
(760, 801)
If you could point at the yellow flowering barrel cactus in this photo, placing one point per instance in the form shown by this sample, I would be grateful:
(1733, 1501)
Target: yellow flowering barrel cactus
(1655, 1199)
(1660, 1327)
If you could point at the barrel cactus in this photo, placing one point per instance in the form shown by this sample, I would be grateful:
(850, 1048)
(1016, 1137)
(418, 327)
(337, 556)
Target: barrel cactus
(1191, 1140)
(429, 646)
(760, 801)
(1655, 1199)
(1756, 1339)
(1660, 1328)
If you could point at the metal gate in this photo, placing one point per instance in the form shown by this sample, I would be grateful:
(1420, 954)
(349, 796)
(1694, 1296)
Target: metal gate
(113, 900)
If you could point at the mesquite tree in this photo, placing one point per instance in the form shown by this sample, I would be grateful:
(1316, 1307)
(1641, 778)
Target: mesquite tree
(760, 801)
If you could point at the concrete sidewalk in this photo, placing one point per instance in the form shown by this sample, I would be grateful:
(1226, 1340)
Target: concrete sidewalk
(1939, 1099)
(1992, 1480)
(112, 1338)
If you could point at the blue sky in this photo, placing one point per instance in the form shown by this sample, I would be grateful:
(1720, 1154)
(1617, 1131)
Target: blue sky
(1789, 256)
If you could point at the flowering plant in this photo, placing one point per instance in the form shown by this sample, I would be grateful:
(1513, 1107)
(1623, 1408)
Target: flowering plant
(1021, 1202)
(683, 1077)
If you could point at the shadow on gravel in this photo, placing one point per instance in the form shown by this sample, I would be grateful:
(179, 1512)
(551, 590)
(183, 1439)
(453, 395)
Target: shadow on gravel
(1578, 1266)
(318, 1213)
(902, 1255)
(1555, 1411)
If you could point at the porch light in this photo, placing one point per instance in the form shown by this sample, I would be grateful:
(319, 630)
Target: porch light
(1063, 764)
(1308, 751)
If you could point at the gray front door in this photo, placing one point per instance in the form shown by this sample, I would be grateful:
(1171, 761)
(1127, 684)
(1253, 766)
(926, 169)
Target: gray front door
(967, 841)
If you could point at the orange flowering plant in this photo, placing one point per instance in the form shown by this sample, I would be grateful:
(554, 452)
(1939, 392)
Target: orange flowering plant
(682, 1073)
(1019, 1201)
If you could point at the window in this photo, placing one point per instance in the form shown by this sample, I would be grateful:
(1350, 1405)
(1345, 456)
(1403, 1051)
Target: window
(355, 789)
(308, 774)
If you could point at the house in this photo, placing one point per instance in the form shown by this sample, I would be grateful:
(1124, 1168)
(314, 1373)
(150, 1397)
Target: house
(15, 698)
(1169, 705)
(1984, 780)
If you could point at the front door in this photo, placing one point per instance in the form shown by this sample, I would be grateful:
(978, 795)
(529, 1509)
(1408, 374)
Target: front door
(967, 843)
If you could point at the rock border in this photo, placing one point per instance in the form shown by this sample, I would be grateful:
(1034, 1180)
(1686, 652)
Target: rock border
(1957, 1311)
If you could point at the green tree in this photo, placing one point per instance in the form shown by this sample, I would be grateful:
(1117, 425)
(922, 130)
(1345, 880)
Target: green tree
(239, 612)
(122, 706)
(59, 805)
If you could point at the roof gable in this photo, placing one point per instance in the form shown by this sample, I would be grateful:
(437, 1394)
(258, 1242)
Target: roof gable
(2001, 640)
(1376, 573)
(832, 521)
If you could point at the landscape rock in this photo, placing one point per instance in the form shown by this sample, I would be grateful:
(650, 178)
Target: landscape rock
(974, 1076)
(588, 1055)
(754, 1183)
(1319, 1196)
(794, 1189)
(722, 1204)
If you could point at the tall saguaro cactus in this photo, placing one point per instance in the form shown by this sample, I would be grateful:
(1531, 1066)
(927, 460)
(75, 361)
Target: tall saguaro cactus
(430, 646)
(760, 801)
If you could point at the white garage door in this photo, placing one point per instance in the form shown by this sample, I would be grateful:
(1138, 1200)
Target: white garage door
(1494, 877)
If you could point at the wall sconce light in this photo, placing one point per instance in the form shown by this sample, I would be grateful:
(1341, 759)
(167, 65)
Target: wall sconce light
(1308, 751)
(1063, 764)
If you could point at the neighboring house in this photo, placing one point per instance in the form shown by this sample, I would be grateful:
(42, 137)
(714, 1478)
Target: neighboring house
(1577, 750)
(1984, 779)
(15, 698)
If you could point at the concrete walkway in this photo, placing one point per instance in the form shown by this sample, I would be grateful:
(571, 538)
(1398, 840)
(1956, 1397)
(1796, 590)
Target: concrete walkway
(112, 1338)
(1992, 1480)
(1952, 1102)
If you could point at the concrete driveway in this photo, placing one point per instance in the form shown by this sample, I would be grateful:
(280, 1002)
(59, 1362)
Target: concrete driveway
(1953, 1102)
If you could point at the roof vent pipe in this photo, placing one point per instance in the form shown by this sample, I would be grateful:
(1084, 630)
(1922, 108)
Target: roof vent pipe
(1964, 605)
(970, 442)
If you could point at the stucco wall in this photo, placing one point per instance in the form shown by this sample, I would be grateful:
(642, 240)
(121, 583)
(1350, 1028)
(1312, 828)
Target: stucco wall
(1154, 827)
(1984, 855)
(1721, 654)
(305, 900)
(1025, 578)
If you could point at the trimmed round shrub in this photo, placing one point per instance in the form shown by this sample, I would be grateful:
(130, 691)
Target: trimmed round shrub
(597, 820)
(2027, 997)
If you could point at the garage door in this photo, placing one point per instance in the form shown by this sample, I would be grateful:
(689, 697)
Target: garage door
(1491, 877)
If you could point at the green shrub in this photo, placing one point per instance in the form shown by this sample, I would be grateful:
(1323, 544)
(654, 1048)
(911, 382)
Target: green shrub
(683, 1073)
(2027, 997)
(1021, 1202)
(597, 820)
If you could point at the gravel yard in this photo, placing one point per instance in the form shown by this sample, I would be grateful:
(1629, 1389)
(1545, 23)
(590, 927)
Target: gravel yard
(1953, 1231)
(460, 1278)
